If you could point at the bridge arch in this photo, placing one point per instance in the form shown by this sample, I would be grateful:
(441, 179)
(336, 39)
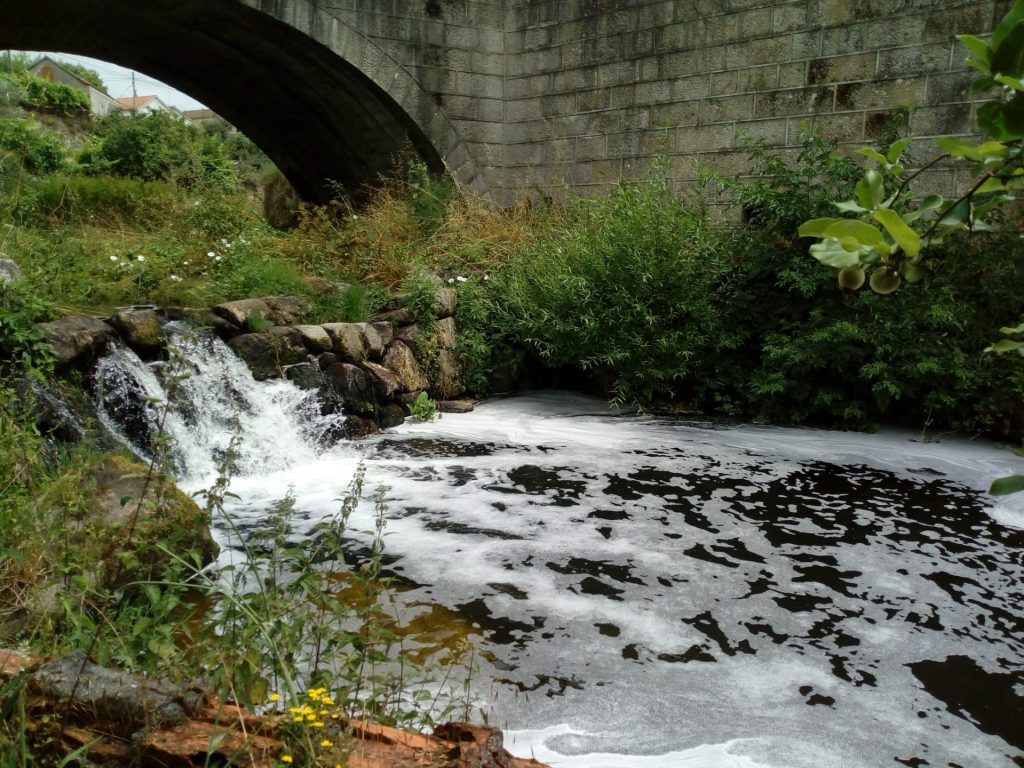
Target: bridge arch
(324, 101)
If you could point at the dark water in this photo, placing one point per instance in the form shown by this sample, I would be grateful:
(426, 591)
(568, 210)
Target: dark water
(654, 593)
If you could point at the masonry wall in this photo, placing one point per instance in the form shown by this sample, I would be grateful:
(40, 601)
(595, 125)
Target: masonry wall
(595, 89)
(455, 51)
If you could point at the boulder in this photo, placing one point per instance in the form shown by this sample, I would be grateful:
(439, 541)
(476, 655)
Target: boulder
(385, 330)
(288, 345)
(76, 338)
(307, 376)
(315, 338)
(445, 300)
(357, 426)
(238, 312)
(445, 333)
(448, 383)
(349, 343)
(140, 329)
(373, 340)
(455, 406)
(385, 382)
(9, 271)
(391, 415)
(409, 335)
(128, 500)
(400, 359)
(257, 350)
(225, 329)
(396, 317)
(287, 310)
(354, 386)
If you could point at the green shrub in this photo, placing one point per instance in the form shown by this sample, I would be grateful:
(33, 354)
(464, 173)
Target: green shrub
(158, 147)
(626, 285)
(24, 144)
(21, 307)
(38, 94)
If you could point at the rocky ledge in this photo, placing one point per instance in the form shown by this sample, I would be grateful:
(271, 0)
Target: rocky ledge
(127, 720)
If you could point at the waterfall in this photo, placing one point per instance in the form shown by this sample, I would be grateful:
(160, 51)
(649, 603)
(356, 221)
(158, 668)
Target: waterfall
(205, 398)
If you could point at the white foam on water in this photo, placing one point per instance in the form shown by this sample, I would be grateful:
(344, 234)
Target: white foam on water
(547, 745)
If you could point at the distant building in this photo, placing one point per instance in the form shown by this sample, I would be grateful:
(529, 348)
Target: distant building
(142, 105)
(55, 72)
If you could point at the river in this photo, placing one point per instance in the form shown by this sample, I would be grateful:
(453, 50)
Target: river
(649, 592)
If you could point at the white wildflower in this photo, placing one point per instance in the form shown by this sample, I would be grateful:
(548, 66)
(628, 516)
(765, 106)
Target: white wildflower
(461, 279)
(113, 258)
(451, 280)
(211, 254)
(140, 257)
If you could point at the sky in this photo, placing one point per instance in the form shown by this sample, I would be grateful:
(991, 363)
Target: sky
(119, 82)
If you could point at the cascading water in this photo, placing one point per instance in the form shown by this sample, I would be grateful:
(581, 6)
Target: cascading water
(649, 593)
(206, 399)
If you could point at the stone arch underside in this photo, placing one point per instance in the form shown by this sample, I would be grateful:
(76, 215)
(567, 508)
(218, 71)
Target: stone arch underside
(294, 85)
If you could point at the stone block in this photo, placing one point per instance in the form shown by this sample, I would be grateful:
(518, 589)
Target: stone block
(794, 101)
(400, 359)
(839, 69)
(349, 344)
(315, 338)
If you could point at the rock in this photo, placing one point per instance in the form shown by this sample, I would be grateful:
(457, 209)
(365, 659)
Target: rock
(391, 415)
(277, 310)
(257, 350)
(385, 330)
(9, 271)
(445, 300)
(288, 345)
(157, 515)
(315, 338)
(141, 330)
(307, 376)
(445, 333)
(349, 343)
(448, 384)
(239, 312)
(409, 335)
(385, 382)
(354, 386)
(76, 338)
(400, 359)
(396, 317)
(287, 310)
(326, 360)
(225, 329)
(373, 340)
(357, 426)
(132, 720)
(455, 406)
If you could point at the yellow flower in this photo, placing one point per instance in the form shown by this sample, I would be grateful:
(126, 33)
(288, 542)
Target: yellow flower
(274, 697)
(326, 743)
(317, 724)
(286, 759)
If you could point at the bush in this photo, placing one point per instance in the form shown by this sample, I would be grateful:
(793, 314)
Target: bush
(625, 285)
(24, 144)
(158, 147)
(42, 95)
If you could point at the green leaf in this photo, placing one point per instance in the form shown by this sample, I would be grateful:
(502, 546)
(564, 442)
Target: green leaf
(956, 215)
(1005, 345)
(816, 227)
(1008, 53)
(830, 253)
(874, 154)
(869, 190)
(861, 231)
(1013, 17)
(850, 206)
(1007, 485)
(896, 149)
(981, 85)
(911, 272)
(992, 184)
(905, 237)
(1011, 82)
(977, 46)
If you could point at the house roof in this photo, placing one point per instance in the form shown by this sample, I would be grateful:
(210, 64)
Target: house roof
(136, 102)
(86, 85)
(199, 114)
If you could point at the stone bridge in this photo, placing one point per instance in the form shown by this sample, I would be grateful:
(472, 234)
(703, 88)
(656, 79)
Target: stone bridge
(535, 96)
